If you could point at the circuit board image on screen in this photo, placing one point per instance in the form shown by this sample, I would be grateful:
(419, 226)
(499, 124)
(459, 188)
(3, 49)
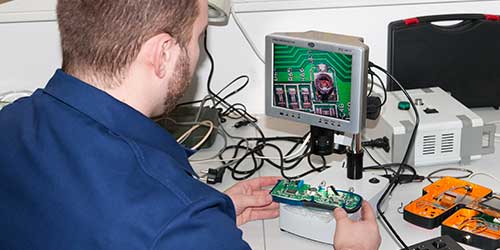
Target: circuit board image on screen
(312, 81)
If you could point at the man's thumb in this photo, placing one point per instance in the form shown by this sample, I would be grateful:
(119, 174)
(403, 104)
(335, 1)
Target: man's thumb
(339, 214)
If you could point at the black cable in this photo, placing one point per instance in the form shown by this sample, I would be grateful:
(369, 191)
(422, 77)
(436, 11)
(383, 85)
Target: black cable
(383, 87)
(189, 103)
(261, 143)
(379, 166)
(234, 91)
(212, 63)
(247, 78)
(257, 152)
(243, 114)
(394, 182)
(238, 111)
(219, 100)
(234, 108)
(388, 167)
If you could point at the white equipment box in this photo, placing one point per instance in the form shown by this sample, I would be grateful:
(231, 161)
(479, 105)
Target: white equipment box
(319, 224)
(448, 132)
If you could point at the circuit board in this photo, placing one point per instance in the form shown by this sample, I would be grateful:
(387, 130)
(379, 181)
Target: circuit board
(491, 221)
(441, 199)
(312, 81)
(476, 228)
(466, 211)
(298, 193)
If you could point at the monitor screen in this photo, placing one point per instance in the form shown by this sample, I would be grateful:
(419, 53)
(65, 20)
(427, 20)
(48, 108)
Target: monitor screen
(318, 79)
(312, 81)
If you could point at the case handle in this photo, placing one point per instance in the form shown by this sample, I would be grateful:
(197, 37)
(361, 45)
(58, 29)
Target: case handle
(451, 17)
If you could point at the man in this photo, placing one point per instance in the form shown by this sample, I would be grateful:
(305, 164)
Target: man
(83, 167)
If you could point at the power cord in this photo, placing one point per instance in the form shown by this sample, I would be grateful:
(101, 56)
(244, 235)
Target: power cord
(467, 174)
(403, 178)
(215, 96)
(395, 181)
(188, 133)
(381, 83)
(255, 153)
(257, 156)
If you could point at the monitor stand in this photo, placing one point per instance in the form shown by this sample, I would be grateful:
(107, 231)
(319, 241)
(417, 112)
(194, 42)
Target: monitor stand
(323, 143)
(317, 224)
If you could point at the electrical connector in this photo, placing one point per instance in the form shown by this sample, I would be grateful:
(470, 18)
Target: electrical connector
(215, 175)
(241, 123)
(405, 178)
(378, 143)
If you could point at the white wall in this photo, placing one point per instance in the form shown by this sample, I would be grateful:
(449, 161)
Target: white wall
(27, 10)
(29, 52)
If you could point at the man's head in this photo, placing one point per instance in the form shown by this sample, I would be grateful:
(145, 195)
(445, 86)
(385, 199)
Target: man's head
(143, 52)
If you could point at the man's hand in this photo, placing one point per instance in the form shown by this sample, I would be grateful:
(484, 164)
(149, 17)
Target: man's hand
(252, 202)
(356, 235)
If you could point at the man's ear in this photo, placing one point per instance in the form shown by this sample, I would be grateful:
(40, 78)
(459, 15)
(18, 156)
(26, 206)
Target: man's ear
(163, 53)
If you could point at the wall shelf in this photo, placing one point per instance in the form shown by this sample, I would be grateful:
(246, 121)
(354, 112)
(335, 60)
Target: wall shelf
(44, 10)
(243, 6)
(28, 11)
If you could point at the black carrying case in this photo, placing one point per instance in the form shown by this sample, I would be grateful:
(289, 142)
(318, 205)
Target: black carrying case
(463, 58)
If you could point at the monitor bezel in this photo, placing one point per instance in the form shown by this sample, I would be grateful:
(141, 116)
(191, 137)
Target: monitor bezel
(359, 79)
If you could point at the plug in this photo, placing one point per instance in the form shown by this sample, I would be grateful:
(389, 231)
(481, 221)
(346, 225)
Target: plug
(241, 124)
(215, 175)
(373, 107)
(405, 178)
(378, 143)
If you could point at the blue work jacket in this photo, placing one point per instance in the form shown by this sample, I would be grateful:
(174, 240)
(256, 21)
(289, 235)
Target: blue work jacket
(81, 170)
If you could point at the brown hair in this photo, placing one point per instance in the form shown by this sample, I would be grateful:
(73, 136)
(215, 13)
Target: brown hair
(103, 37)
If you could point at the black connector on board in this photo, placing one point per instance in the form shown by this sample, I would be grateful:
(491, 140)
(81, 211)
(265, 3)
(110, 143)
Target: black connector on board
(215, 175)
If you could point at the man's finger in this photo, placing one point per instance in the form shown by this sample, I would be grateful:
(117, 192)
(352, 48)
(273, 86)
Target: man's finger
(367, 213)
(264, 214)
(264, 181)
(254, 200)
(340, 214)
(261, 192)
(272, 206)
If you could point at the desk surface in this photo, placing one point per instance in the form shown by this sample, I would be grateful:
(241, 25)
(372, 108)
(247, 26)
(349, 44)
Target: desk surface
(263, 235)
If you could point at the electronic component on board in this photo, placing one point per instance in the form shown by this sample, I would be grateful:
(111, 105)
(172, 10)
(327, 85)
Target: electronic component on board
(298, 193)
(474, 228)
(492, 203)
(441, 199)
(467, 212)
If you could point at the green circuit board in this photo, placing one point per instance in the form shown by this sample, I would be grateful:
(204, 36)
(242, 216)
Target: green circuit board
(296, 192)
(490, 220)
(297, 73)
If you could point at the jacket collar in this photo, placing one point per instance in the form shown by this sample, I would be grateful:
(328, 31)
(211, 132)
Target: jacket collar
(116, 115)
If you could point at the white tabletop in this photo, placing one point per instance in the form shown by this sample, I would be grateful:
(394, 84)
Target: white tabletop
(263, 235)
